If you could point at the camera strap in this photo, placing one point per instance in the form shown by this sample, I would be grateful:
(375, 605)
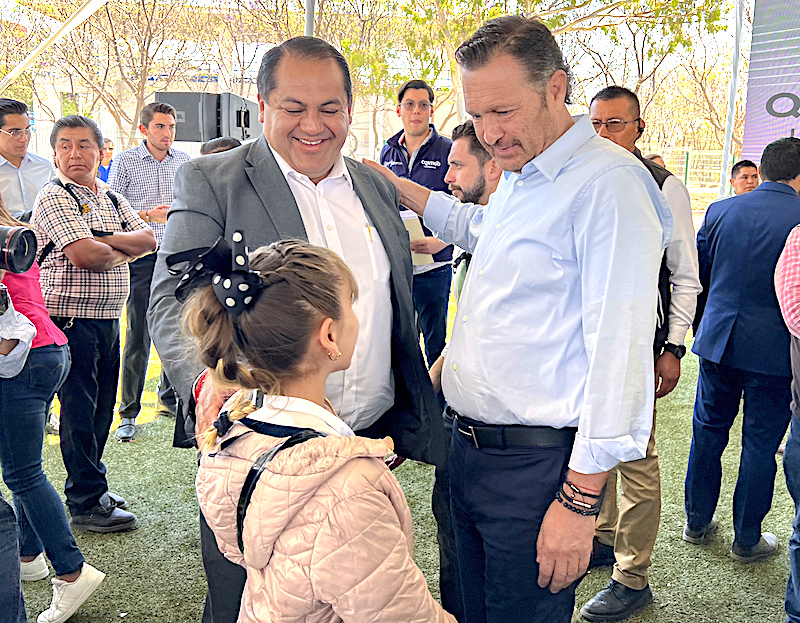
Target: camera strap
(48, 248)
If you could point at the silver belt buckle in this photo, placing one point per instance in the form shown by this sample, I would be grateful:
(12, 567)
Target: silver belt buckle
(470, 434)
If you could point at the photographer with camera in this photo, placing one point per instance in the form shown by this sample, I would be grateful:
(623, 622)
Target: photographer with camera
(34, 361)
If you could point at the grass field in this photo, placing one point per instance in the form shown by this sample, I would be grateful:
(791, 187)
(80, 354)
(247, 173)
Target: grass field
(155, 573)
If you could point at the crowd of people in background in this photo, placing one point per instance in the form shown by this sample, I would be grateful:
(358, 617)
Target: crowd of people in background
(316, 288)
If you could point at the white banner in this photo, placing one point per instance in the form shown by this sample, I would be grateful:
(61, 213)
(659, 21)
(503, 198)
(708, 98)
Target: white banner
(773, 84)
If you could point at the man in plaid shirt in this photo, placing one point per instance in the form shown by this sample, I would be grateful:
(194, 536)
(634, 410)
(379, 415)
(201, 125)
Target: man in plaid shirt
(84, 280)
(144, 176)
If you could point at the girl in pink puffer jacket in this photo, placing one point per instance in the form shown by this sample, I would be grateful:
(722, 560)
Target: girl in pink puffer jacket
(325, 534)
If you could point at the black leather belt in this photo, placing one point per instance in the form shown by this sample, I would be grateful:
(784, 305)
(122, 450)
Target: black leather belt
(485, 435)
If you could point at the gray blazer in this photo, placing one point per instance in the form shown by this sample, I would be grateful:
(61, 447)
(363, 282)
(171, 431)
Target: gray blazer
(244, 189)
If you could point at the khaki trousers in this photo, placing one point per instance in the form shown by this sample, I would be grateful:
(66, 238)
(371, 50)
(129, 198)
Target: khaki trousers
(631, 527)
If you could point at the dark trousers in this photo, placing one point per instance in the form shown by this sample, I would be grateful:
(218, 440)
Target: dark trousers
(498, 500)
(791, 467)
(449, 578)
(225, 580)
(431, 295)
(720, 389)
(12, 604)
(87, 407)
(137, 343)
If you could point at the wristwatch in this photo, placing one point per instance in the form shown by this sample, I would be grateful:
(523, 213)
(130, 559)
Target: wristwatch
(678, 351)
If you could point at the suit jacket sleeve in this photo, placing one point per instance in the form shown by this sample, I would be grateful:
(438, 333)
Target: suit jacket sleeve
(705, 273)
(195, 220)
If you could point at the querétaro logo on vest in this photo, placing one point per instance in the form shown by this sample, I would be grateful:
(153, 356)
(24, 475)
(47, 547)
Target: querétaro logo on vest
(431, 164)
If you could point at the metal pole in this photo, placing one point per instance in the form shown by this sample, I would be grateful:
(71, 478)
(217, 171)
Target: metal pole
(309, 18)
(83, 13)
(726, 153)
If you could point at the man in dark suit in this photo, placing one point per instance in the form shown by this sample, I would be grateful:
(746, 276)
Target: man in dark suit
(294, 183)
(743, 345)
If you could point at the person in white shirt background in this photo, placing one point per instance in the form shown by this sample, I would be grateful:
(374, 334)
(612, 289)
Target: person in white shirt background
(22, 174)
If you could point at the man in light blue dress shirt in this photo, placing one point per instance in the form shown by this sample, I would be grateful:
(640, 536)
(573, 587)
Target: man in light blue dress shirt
(22, 174)
(549, 372)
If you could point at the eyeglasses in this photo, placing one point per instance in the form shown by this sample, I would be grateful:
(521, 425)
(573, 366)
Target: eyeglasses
(613, 125)
(18, 133)
(424, 105)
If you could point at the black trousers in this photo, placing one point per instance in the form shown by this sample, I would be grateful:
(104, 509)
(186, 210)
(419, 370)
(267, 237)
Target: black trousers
(498, 500)
(87, 407)
(137, 343)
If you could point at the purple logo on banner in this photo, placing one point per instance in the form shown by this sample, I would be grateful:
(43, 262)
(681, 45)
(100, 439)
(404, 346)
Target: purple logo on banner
(773, 84)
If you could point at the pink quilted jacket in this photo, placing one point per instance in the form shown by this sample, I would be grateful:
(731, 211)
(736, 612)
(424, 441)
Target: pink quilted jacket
(327, 535)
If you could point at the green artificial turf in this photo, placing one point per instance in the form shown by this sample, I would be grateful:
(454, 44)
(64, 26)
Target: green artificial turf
(155, 573)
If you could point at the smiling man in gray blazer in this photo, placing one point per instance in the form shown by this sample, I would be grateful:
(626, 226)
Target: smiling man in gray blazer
(294, 183)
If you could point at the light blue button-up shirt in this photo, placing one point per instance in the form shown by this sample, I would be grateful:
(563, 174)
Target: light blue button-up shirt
(19, 186)
(556, 319)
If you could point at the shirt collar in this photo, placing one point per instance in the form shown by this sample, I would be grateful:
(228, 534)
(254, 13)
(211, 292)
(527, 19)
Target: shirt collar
(292, 411)
(144, 153)
(339, 169)
(428, 139)
(556, 156)
(26, 157)
(101, 185)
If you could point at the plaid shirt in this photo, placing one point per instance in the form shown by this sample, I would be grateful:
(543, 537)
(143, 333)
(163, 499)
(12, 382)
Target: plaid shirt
(787, 282)
(67, 289)
(144, 181)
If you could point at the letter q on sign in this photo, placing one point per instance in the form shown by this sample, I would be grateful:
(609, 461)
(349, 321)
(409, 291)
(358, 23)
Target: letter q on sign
(794, 110)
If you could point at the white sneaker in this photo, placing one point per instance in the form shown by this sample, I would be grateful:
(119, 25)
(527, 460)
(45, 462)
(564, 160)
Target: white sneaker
(68, 596)
(34, 570)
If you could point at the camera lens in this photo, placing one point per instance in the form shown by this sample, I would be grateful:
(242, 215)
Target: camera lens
(17, 249)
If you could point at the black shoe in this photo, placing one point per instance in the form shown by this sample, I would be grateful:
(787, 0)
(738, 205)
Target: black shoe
(126, 430)
(109, 499)
(103, 518)
(616, 602)
(602, 555)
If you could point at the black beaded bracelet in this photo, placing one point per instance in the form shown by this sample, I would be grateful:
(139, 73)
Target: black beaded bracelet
(589, 510)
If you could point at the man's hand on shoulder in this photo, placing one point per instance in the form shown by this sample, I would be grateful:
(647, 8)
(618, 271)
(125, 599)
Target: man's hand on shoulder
(412, 195)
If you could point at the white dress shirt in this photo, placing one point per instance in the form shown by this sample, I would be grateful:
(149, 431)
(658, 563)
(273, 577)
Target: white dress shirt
(19, 186)
(682, 261)
(334, 217)
(556, 319)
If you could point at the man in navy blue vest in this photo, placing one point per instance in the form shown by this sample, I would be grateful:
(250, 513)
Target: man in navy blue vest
(743, 345)
(419, 153)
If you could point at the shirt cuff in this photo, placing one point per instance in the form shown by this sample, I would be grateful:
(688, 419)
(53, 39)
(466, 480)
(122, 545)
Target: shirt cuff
(598, 456)
(437, 210)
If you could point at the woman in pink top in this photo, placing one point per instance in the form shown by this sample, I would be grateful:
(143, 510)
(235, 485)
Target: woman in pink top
(24, 402)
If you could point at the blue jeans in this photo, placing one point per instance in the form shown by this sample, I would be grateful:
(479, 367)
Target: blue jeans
(720, 389)
(791, 468)
(24, 399)
(431, 296)
(11, 601)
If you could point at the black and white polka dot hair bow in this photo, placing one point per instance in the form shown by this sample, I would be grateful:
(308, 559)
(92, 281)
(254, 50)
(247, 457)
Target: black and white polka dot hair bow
(223, 266)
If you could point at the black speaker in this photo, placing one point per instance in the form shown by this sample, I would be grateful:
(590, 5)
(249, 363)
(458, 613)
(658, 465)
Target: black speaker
(203, 116)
